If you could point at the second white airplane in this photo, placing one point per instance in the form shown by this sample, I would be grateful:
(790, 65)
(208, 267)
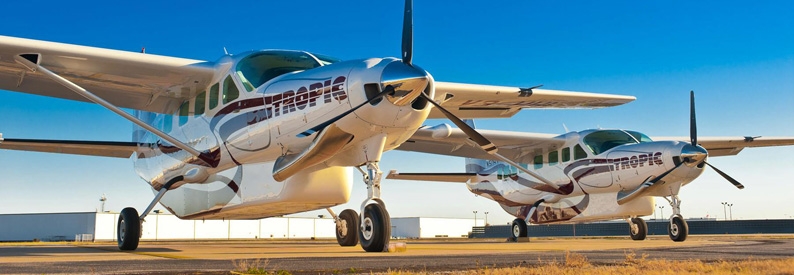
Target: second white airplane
(583, 176)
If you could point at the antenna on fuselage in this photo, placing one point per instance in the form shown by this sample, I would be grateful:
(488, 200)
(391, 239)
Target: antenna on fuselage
(225, 51)
(565, 127)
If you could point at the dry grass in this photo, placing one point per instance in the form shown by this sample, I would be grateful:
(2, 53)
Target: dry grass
(577, 264)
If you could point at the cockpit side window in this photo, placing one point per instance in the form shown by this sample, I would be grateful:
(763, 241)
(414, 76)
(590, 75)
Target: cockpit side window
(640, 136)
(258, 68)
(601, 141)
(578, 152)
(230, 91)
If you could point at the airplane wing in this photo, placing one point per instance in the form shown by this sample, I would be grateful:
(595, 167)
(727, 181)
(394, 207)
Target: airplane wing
(485, 101)
(444, 177)
(78, 147)
(125, 79)
(730, 146)
(444, 140)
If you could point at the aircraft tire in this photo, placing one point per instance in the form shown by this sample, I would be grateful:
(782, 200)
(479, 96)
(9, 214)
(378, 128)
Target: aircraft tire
(642, 229)
(347, 235)
(519, 228)
(129, 229)
(376, 230)
(677, 229)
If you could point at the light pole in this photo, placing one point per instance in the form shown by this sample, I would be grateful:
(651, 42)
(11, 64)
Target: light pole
(475, 218)
(661, 211)
(730, 210)
(486, 218)
(724, 211)
(103, 199)
(654, 210)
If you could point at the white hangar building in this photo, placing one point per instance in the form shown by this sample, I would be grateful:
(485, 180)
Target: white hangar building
(97, 226)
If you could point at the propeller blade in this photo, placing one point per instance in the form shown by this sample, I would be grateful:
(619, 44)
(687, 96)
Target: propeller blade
(735, 182)
(321, 126)
(484, 143)
(693, 128)
(408, 33)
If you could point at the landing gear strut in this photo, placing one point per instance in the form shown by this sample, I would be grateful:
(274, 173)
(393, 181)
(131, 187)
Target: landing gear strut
(129, 224)
(677, 228)
(375, 228)
(638, 228)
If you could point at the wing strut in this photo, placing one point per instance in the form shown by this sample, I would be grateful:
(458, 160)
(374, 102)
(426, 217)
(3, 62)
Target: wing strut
(26, 61)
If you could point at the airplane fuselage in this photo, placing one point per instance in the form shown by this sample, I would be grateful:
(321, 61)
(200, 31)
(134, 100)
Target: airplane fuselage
(592, 176)
(247, 124)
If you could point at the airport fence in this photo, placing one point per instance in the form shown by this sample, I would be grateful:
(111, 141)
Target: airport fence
(655, 227)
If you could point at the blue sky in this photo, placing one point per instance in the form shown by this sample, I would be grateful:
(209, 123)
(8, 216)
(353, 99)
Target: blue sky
(737, 56)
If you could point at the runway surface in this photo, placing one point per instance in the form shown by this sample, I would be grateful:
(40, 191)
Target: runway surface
(326, 257)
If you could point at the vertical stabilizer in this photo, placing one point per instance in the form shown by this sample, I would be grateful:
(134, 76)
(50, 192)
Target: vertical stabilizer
(138, 132)
(474, 165)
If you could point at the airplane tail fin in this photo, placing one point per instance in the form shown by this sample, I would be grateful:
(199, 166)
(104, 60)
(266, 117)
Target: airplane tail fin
(474, 165)
(138, 132)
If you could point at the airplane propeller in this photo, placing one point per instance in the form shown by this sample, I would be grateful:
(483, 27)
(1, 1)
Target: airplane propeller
(484, 143)
(693, 132)
(408, 33)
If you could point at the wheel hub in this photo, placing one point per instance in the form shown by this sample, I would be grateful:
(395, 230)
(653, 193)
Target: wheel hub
(516, 231)
(366, 231)
(122, 230)
(674, 229)
(343, 229)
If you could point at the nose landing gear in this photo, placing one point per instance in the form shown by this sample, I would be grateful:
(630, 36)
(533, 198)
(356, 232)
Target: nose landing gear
(677, 229)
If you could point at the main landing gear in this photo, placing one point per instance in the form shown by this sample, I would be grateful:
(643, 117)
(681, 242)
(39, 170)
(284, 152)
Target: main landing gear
(373, 228)
(129, 231)
(677, 228)
(638, 228)
(519, 229)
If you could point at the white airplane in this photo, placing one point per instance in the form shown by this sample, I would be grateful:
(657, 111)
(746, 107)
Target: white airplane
(262, 133)
(583, 176)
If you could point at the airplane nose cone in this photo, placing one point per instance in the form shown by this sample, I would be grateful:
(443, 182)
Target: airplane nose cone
(408, 82)
(693, 155)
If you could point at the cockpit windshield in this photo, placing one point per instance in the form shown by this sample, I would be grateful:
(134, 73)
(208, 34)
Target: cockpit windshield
(603, 140)
(257, 68)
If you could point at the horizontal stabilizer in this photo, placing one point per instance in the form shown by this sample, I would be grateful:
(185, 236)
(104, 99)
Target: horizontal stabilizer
(114, 149)
(444, 177)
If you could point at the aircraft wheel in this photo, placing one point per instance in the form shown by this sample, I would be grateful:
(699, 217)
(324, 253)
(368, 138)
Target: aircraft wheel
(376, 228)
(519, 228)
(639, 229)
(347, 230)
(678, 229)
(129, 229)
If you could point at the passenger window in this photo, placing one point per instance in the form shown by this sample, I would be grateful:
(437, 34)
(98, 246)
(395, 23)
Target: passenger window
(183, 112)
(578, 152)
(538, 161)
(230, 91)
(566, 154)
(214, 96)
(168, 123)
(553, 158)
(198, 108)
